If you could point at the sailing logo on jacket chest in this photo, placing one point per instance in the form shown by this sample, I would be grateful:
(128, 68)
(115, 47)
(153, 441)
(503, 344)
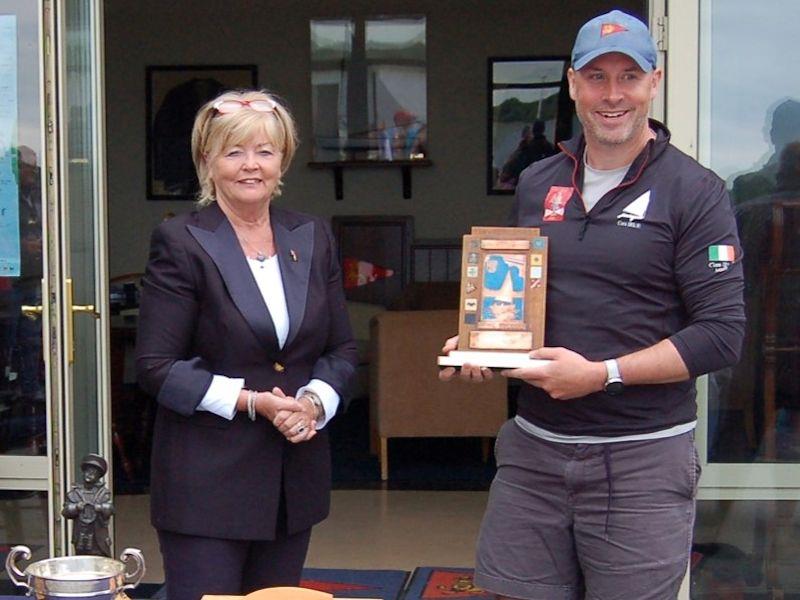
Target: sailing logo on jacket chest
(633, 214)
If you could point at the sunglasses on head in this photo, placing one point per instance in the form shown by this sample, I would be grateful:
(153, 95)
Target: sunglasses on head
(225, 107)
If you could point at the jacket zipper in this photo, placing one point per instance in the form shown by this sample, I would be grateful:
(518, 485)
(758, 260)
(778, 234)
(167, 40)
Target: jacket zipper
(575, 187)
(634, 179)
(584, 227)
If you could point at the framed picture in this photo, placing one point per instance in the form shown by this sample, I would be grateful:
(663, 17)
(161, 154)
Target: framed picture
(369, 89)
(174, 94)
(375, 254)
(529, 112)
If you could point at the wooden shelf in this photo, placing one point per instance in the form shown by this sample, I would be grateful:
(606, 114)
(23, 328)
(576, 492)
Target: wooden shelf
(339, 166)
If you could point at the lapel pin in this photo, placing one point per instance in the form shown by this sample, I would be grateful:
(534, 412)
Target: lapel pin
(293, 255)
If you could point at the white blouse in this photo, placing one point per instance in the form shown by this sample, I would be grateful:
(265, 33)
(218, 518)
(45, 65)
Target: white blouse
(221, 396)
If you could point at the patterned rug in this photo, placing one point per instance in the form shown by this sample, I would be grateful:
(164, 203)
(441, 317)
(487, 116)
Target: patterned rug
(347, 583)
(426, 583)
(443, 582)
(356, 583)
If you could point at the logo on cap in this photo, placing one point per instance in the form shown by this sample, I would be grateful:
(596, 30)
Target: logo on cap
(609, 28)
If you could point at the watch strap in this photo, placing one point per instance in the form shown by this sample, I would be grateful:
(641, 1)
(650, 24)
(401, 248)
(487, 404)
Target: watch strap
(612, 370)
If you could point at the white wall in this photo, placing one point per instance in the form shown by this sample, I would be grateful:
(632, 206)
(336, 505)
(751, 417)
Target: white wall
(447, 198)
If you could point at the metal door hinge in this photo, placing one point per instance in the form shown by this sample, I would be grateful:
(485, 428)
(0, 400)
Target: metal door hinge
(661, 33)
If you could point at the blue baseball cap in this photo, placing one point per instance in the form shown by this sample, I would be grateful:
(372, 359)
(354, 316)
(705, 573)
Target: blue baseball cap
(615, 31)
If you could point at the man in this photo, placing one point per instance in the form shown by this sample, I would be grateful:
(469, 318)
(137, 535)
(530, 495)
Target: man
(532, 147)
(784, 130)
(597, 473)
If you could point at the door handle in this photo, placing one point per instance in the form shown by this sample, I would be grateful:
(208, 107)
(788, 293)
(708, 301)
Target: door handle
(86, 308)
(32, 312)
(70, 325)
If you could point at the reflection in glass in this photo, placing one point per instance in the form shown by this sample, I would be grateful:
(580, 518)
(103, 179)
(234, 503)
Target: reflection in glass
(22, 395)
(23, 520)
(745, 549)
(331, 54)
(369, 90)
(528, 116)
(750, 135)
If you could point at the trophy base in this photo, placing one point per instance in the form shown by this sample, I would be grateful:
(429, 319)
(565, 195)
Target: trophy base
(491, 360)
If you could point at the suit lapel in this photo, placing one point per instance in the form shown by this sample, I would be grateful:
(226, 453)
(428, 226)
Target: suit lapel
(295, 247)
(223, 247)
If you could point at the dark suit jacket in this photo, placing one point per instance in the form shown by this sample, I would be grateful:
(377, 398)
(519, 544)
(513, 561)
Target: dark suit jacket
(202, 314)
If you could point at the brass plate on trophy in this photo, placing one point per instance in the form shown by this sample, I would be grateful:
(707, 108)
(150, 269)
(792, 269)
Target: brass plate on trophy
(503, 283)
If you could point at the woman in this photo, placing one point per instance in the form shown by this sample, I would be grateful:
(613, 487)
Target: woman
(245, 342)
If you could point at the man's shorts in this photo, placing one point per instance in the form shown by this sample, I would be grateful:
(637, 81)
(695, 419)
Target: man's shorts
(600, 521)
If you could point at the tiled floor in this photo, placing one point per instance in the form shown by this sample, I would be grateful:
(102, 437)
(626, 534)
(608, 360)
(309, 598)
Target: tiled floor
(367, 529)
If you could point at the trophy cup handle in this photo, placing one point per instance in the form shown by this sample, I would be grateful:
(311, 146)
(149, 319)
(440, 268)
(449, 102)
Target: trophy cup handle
(17, 576)
(133, 579)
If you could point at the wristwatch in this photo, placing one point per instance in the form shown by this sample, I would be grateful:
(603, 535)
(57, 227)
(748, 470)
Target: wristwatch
(614, 384)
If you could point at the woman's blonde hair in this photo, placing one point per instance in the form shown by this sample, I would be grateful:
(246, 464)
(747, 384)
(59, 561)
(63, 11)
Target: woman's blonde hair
(213, 132)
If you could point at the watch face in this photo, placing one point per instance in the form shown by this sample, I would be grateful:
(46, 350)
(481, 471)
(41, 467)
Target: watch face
(614, 387)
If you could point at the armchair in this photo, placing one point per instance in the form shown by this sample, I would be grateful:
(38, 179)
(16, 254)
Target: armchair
(406, 397)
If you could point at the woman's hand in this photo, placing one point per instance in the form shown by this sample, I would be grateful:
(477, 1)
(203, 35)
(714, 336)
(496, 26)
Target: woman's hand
(294, 419)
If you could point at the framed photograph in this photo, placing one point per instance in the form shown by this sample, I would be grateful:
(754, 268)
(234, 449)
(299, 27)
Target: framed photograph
(174, 94)
(529, 112)
(375, 254)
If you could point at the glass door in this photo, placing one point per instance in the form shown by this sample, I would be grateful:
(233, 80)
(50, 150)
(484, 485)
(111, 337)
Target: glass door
(25, 378)
(736, 106)
(53, 388)
(83, 219)
(739, 114)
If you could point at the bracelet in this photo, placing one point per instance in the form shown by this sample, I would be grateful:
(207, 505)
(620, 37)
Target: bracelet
(316, 402)
(251, 404)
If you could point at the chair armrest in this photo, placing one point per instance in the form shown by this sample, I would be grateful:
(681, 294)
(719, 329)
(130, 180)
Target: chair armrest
(407, 399)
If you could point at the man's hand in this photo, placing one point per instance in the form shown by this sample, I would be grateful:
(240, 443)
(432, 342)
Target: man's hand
(467, 372)
(568, 375)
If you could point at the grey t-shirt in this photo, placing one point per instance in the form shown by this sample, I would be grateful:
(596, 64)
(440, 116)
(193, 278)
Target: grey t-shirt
(596, 183)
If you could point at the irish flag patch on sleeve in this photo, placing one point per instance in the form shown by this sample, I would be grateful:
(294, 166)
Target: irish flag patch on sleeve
(721, 253)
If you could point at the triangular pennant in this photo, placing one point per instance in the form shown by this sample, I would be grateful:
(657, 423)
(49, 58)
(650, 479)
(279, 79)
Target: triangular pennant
(360, 272)
(609, 28)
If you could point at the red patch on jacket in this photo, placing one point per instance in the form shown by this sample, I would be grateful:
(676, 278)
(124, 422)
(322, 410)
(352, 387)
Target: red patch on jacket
(556, 203)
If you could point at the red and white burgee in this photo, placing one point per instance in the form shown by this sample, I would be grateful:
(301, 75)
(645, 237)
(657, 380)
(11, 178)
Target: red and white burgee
(360, 272)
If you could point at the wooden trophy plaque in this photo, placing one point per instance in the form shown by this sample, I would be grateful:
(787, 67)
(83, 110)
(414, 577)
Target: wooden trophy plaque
(503, 283)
